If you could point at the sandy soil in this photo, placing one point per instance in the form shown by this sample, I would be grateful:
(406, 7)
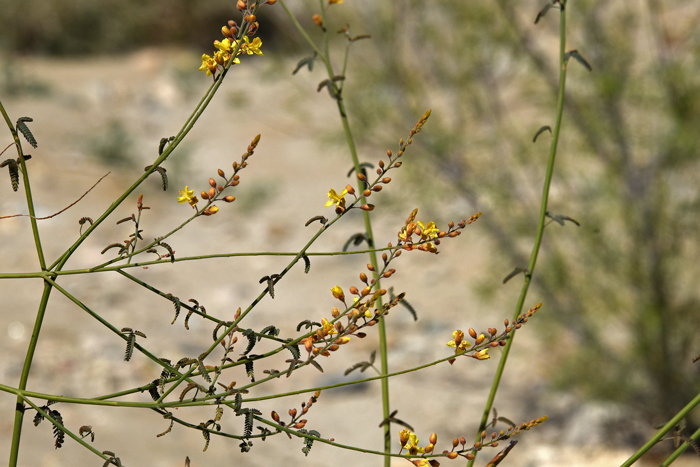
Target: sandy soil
(80, 108)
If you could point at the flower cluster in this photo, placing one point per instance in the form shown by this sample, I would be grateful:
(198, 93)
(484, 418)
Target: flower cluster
(188, 196)
(295, 415)
(460, 345)
(231, 47)
(409, 441)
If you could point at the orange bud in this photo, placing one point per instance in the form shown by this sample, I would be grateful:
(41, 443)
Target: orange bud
(433, 438)
(271, 2)
(204, 195)
(350, 189)
(219, 188)
(367, 207)
(363, 277)
(212, 192)
(479, 339)
(226, 32)
(429, 448)
(452, 455)
(250, 19)
(367, 192)
(472, 333)
(221, 173)
(230, 198)
(212, 182)
(361, 177)
(317, 19)
(386, 180)
(241, 5)
(275, 416)
(377, 188)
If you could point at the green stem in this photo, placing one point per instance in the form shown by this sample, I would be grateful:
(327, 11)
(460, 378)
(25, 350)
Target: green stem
(540, 226)
(366, 217)
(27, 188)
(19, 410)
(681, 449)
(666, 428)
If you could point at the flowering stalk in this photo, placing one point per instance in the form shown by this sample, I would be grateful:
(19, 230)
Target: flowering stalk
(540, 224)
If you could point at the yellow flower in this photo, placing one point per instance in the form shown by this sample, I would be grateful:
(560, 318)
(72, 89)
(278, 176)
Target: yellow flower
(459, 344)
(328, 328)
(429, 231)
(482, 355)
(226, 48)
(208, 65)
(252, 47)
(187, 196)
(337, 199)
(337, 2)
(412, 445)
(338, 293)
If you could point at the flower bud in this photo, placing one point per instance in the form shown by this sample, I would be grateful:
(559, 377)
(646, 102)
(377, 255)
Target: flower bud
(452, 455)
(354, 291)
(221, 173)
(212, 182)
(241, 5)
(212, 192)
(318, 20)
(386, 180)
(230, 198)
(204, 195)
(271, 2)
(366, 193)
(377, 188)
(367, 207)
(361, 177)
(275, 416)
(250, 19)
(226, 32)
(433, 438)
(338, 293)
(472, 333)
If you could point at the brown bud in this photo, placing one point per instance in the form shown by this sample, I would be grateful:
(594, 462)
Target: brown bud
(204, 195)
(250, 19)
(363, 277)
(470, 456)
(333, 347)
(275, 416)
(350, 189)
(230, 198)
(479, 339)
(301, 424)
(397, 165)
(462, 440)
(253, 28)
(377, 188)
(354, 291)
(226, 32)
(381, 163)
(493, 331)
(241, 5)
(429, 448)
(234, 183)
(212, 192)
(212, 182)
(212, 209)
(317, 19)
(219, 188)
(452, 455)
(472, 333)
(367, 207)
(271, 2)
(386, 180)
(455, 442)
(494, 344)
(221, 173)
(370, 267)
(366, 193)
(433, 438)
(361, 177)
(366, 291)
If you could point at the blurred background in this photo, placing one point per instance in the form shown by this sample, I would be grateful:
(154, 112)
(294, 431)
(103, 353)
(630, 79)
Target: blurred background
(608, 357)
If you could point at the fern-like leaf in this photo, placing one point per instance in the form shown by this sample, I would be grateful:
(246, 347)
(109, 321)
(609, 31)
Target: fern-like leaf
(58, 432)
(24, 129)
(130, 341)
(249, 370)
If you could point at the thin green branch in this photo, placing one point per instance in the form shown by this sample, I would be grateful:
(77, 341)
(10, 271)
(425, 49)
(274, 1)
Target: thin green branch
(19, 412)
(660, 434)
(27, 188)
(540, 226)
